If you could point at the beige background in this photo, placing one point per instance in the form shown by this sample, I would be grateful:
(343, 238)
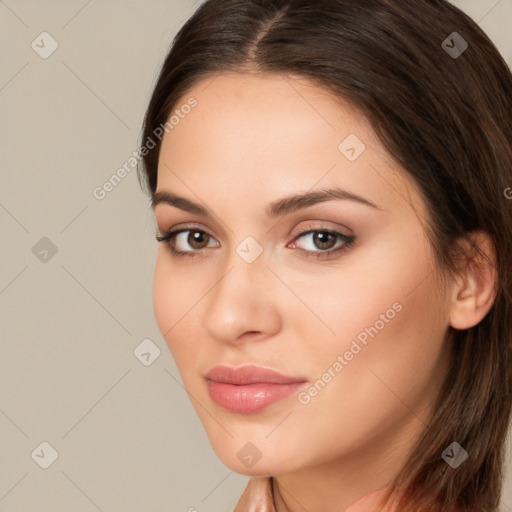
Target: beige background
(126, 435)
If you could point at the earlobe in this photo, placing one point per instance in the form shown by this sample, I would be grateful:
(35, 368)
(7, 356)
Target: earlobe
(474, 290)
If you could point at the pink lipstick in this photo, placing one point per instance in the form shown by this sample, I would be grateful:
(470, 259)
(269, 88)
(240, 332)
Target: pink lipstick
(249, 389)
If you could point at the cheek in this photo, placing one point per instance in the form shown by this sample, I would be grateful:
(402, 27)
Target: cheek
(393, 374)
(174, 295)
(390, 333)
(385, 319)
(387, 285)
(361, 301)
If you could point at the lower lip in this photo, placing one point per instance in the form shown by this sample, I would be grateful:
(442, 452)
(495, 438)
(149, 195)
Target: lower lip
(250, 398)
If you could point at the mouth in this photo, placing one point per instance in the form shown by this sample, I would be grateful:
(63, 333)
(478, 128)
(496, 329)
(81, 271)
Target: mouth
(249, 389)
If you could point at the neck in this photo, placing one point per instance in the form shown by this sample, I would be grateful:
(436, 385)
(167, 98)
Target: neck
(355, 482)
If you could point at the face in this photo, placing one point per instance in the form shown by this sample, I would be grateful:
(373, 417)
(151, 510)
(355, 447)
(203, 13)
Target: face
(337, 292)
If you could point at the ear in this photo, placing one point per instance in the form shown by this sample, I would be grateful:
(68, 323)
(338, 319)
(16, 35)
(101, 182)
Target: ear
(474, 289)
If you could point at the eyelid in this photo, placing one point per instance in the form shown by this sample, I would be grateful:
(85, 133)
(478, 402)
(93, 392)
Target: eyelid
(320, 225)
(183, 227)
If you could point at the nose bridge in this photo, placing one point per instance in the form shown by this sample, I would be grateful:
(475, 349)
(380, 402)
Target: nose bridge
(240, 300)
(241, 279)
(244, 268)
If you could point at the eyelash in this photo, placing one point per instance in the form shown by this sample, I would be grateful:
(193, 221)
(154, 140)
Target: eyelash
(168, 239)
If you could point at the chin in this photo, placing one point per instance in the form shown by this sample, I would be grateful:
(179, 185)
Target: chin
(245, 458)
(261, 468)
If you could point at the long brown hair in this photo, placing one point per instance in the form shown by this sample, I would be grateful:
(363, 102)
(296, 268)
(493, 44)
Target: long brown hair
(441, 103)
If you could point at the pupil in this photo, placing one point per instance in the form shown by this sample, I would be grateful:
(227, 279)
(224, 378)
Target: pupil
(323, 238)
(197, 238)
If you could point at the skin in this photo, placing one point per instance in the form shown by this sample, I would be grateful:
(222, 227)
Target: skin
(250, 141)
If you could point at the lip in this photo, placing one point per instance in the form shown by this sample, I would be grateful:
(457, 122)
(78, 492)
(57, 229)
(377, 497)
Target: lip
(250, 388)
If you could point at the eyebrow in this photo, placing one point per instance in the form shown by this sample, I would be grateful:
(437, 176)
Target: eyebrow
(277, 208)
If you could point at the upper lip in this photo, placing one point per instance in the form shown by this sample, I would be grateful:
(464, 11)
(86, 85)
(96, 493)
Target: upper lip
(249, 374)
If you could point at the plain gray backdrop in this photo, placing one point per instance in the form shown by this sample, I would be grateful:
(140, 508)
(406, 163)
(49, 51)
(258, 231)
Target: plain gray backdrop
(117, 432)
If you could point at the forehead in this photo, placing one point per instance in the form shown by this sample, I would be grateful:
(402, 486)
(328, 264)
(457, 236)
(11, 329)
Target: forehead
(271, 133)
(267, 105)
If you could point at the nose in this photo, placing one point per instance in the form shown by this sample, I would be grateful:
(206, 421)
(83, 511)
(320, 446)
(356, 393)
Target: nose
(240, 306)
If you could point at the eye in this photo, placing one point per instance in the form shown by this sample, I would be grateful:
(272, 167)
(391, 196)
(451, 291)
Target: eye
(324, 242)
(179, 240)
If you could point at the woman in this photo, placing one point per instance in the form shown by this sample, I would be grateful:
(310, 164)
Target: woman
(331, 183)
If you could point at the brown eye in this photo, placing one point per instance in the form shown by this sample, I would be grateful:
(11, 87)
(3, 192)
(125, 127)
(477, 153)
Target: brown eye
(196, 238)
(323, 242)
(186, 242)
